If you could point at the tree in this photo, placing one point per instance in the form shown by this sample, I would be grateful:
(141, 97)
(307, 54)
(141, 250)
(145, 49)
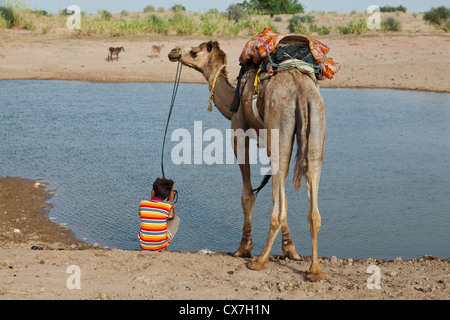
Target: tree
(273, 7)
(149, 8)
(178, 7)
(235, 12)
(440, 17)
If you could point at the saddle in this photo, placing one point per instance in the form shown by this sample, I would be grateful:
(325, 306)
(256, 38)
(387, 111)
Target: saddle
(270, 53)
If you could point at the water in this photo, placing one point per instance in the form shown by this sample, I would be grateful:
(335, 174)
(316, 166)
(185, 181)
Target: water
(384, 190)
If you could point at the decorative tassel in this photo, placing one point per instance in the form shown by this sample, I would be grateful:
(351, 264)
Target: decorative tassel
(210, 107)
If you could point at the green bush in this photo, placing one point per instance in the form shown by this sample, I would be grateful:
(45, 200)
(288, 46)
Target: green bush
(388, 8)
(106, 15)
(391, 24)
(324, 30)
(235, 12)
(157, 24)
(8, 16)
(149, 8)
(209, 24)
(355, 26)
(182, 24)
(3, 23)
(273, 7)
(178, 7)
(300, 24)
(255, 24)
(439, 17)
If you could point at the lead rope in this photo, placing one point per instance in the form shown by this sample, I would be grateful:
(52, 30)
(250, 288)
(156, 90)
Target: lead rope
(174, 94)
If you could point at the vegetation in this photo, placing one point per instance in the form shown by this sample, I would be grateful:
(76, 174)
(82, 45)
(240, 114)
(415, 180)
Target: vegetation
(305, 25)
(245, 19)
(273, 7)
(439, 17)
(235, 12)
(149, 8)
(354, 27)
(7, 17)
(178, 7)
(391, 24)
(388, 8)
(106, 15)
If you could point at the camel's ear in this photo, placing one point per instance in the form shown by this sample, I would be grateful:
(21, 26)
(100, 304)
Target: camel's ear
(212, 44)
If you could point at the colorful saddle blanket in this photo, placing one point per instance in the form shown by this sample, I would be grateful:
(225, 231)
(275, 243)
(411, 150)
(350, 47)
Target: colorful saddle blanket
(257, 49)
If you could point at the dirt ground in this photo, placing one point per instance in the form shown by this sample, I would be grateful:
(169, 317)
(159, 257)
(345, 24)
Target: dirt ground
(36, 255)
(413, 62)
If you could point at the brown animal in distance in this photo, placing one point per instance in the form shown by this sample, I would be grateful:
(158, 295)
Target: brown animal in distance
(115, 51)
(156, 51)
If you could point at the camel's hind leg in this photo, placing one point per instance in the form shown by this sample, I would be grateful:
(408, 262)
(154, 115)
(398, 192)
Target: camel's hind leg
(314, 223)
(316, 141)
(278, 219)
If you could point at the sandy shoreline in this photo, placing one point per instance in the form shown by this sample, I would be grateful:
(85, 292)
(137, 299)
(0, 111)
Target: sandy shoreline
(34, 265)
(34, 260)
(411, 62)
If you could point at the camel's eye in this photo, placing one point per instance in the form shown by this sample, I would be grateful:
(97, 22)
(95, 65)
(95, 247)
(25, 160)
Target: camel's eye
(193, 53)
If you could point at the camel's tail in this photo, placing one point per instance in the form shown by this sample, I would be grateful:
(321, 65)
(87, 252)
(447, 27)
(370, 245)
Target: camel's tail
(301, 158)
(302, 134)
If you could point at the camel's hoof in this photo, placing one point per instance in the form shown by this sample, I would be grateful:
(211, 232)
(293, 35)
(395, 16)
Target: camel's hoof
(315, 276)
(243, 254)
(293, 255)
(255, 265)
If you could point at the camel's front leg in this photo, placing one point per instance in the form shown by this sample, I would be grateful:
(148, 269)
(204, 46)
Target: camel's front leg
(248, 200)
(288, 245)
(248, 197)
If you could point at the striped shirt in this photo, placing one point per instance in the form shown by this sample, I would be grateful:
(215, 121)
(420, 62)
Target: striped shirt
(153, 234)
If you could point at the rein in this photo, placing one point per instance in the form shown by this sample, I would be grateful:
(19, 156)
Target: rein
(172, 103)
(212, 86)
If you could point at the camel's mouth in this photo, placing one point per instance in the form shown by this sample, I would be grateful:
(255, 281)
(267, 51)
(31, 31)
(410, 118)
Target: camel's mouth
(174, 55)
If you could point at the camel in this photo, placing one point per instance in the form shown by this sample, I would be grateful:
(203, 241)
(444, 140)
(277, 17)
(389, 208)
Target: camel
(290, 103)
(114, 51)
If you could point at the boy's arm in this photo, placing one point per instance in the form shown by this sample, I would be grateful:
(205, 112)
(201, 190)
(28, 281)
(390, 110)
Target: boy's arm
(172, 210)
(171, 213)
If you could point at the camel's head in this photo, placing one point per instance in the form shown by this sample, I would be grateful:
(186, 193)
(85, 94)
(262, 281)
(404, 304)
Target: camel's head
(205, 58)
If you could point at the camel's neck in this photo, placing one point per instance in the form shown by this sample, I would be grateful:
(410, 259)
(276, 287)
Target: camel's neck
(223, 94)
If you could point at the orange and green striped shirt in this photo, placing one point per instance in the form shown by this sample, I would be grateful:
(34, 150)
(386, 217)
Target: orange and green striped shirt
(153, 234)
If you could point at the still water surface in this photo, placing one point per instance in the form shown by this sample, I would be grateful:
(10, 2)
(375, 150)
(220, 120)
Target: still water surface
(384, 190)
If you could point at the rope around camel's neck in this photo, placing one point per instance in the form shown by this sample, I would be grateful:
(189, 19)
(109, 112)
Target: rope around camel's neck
(212, 85)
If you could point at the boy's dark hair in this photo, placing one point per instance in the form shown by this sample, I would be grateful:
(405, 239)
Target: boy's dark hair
(162, 188)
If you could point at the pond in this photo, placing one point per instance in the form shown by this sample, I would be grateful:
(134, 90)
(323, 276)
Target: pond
(384, 189)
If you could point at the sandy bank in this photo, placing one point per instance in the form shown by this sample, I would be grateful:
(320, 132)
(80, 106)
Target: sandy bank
(413, 62)
(34, 265)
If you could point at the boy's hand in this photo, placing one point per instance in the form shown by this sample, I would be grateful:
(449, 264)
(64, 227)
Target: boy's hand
(172, 195)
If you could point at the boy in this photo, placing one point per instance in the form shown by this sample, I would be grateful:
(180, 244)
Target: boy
(158, 221)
